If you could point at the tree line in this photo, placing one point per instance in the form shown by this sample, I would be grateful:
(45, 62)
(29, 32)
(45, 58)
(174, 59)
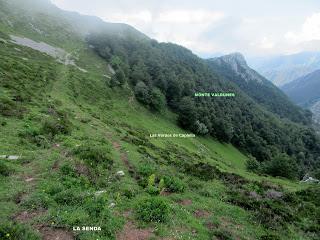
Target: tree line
(165, 74)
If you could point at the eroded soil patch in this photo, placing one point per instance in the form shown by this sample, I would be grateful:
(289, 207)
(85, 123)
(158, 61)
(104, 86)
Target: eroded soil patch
(55, 234)
(131, 232)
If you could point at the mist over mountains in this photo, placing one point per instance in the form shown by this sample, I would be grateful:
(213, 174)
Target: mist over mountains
(286, 68)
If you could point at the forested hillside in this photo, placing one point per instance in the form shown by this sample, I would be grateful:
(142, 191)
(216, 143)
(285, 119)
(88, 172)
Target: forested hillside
(305, 91)
(164, 73)
(234, 68)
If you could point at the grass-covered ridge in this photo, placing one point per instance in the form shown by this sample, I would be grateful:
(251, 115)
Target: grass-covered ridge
(75, 135)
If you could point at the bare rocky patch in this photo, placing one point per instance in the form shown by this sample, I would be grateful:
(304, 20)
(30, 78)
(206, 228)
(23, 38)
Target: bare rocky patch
(199, 213)
(82, 169)
(27, 216)
(55, 165)
(165, 192)
(211, 225)
(58, 53)
(55, 234)
(185, 202)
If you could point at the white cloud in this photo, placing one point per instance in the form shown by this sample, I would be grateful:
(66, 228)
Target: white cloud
(267, 43)
(310, 30)
(143, 16)
(190, 16)
(209, 26)
(183, 26)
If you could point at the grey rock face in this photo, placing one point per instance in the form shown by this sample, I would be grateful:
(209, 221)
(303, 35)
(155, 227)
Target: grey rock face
(273, 194)
(238, 64)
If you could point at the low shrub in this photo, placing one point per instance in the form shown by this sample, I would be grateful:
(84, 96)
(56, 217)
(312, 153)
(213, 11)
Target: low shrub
(4, 169)
(233, 179)
(10, 108)
(34, 136)
(94, 155)
(51, 187)
(67, 170)
(253, 165)
(14, 231)
(69, 197)
(56, 125)
(174, 184)
(202, 170)
(38, 201)
(152, 209)
(146, 170)
(281, 166)
(223, 234)
(270, 236)
(152, 190)
(129, 192)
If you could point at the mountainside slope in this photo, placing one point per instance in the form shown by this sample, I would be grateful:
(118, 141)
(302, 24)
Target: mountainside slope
(78, 153)
(163, 73)
(235, 69)
(305, 91)
(284, 69)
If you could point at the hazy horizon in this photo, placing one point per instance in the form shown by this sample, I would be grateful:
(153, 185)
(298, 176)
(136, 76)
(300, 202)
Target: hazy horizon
(210, 28)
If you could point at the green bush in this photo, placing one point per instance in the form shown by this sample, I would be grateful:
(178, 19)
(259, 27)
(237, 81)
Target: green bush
(202, 170)
(55, 126)
(146, 170)
(129, 193)
(223, 234)
(67, 170)
(316, 173)
(4, 36)
(4, 169)
(14, 231)
(152, 190)
(51, 187)
(253, 165)
(34, 135)
(94, 155)
(57, 123)
(157, 100)
(174, 184)
(152, 209)
(270, 236)
(38, 201)
(142, 93)
(281, 166)
(69, 197)
(10, 108)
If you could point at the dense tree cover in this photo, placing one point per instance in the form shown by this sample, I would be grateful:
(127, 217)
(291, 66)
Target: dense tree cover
(167, 73)
(261, 90)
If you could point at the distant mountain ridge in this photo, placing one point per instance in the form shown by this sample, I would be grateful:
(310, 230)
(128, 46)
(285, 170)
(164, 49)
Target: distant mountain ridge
(305, 91)
(284, 69)
(234, 68)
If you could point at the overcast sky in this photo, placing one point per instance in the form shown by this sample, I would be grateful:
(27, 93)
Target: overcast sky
(208, 27)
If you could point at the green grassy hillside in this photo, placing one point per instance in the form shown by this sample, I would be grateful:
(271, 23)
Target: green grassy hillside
(85, 158)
